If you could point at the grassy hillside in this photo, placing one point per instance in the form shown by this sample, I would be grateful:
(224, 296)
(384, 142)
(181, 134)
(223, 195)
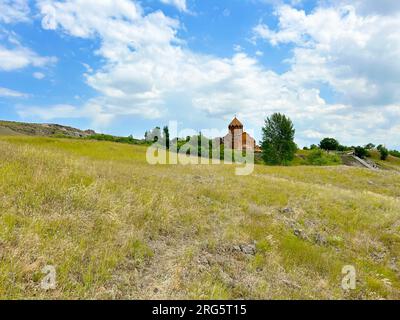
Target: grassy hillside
(116, 227)
(11, 128)
(391, 163)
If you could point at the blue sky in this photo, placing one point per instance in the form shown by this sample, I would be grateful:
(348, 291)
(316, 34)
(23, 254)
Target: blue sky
(123, 67)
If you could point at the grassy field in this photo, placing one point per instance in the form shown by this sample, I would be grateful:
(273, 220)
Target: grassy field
(391, 163)
(115, 227)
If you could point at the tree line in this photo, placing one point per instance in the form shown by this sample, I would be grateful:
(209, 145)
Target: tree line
(277, 144)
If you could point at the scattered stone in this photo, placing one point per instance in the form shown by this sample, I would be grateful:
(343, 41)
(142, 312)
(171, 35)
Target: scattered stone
(393, 265)
(378, 256)
(227, 279)
(249, 249)
(237, 248)
(291, 284)
(320, 239)
(204, 260)
(298, 233)
(287, 210)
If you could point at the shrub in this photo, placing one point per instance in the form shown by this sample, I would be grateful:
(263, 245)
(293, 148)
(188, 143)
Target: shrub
(343, 148)
(107, 137)
(384, 153)
(394, 153)
(321, 158)
(361, 152)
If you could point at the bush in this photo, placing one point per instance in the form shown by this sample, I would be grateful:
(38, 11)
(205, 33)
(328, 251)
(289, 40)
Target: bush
(361, 152)
(384, 153)
(394, 153)
(343, 148)
(107, 137)
(329, 144)
(321, 158)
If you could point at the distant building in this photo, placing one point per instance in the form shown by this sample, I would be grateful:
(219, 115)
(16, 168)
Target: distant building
(237, 139)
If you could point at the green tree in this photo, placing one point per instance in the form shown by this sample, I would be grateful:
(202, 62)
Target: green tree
(384, 153)
(329, 144)
(361, 152)
(278, 140)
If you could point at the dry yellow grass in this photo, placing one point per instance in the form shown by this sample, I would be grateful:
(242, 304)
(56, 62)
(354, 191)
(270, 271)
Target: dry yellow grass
(115, 227)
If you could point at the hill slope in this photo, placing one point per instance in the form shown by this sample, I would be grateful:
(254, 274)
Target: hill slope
(115, 227)
(10, 128)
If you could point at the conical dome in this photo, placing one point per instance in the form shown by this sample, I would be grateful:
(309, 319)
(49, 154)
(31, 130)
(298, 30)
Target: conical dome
(235, 124)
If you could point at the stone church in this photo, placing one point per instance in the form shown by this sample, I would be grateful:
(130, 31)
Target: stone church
(237, 139)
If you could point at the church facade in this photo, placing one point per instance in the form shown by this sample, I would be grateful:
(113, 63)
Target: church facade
(238, 139)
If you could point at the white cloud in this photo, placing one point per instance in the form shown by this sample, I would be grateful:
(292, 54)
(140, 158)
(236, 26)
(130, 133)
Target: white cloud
(281, 2)
(8, 93)
(149, 72)
(179, 4)
(12, 11)
(57, 111)
(20, 57)
(367, 7)
(13, 55)
(38, 75)
(60, 111)
(354, 54)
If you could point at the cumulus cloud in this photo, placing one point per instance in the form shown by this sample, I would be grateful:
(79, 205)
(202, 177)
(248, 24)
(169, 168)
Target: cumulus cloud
(366, 7)
(143, 72)
(179, 4)
(149, 72)
(12, 11)
(141, 58)
(354, 54)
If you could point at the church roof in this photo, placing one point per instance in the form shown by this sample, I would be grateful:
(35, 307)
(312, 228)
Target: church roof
(235, 123)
